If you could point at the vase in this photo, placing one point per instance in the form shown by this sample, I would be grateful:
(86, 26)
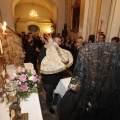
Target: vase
(11, 90)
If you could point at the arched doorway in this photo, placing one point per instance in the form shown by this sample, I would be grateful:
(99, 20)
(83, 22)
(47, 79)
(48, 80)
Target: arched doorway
(46, 10)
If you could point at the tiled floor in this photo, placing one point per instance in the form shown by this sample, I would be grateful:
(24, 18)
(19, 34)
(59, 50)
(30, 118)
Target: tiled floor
(45, 112)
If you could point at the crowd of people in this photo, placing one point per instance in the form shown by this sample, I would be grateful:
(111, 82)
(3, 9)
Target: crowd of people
(32, 45)
(35, 51)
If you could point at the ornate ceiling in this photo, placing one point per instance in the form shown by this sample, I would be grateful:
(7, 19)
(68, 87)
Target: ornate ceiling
(46, 4)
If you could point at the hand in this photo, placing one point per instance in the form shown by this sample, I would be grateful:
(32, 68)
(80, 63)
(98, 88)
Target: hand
(37, 49)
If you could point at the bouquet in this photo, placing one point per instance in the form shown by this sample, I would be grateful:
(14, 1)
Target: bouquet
(27, 81)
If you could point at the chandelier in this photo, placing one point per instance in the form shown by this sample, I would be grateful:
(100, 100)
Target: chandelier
(33, 13)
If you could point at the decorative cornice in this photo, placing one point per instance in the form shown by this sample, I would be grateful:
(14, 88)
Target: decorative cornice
(34, 19)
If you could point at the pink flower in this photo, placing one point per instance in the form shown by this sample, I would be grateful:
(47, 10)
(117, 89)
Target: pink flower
(35, 79)
(24, 88)
(19, 69)
(12, 77)
(33, 72)
(23, 78)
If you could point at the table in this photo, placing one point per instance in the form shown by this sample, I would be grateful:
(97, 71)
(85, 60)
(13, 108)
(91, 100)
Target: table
(31, 106)
(62, 86)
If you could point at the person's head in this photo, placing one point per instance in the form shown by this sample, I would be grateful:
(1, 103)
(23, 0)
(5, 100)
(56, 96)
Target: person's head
(89, 41)
(72, 39)
(57, 38)
(26, 37)
(60, 42)
(115, 39)
(30, 35)
(79, 42)
(101, 38)
(22, 34)
(67, 38)
(19, 35)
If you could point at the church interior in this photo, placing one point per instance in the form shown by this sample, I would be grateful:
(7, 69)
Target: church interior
(91, 27)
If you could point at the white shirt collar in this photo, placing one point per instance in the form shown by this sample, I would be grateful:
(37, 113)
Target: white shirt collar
(79, 47)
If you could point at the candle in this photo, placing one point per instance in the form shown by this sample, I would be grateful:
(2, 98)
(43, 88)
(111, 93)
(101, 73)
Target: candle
(4, 29)
(5, 24)
(1, 47)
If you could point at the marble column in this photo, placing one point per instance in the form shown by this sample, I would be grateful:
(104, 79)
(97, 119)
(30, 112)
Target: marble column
(91, 18)
(114, 22)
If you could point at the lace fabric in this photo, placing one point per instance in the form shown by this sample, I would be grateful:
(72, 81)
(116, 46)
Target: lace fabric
(94, 90)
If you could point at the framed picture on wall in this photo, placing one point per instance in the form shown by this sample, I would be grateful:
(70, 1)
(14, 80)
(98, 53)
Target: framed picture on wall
(33, 28)
(75, 17)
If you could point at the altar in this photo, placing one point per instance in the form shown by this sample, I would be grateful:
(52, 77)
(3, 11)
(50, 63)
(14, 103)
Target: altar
(31, 106)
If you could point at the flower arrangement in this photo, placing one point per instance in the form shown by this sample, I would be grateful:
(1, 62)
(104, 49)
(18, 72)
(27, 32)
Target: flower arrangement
(27, 81)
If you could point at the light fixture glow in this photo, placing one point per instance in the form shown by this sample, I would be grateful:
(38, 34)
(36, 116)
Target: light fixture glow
(48, 30)
(33, 13)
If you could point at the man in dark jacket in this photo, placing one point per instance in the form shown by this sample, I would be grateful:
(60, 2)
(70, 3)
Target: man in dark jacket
(50, 81)
(31, 54)
(78, 45)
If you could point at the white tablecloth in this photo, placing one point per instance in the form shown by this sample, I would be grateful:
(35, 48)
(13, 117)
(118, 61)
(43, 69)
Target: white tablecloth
(32, 106)
(62, 86)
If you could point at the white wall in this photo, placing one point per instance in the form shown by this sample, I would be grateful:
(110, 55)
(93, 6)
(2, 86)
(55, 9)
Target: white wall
(6, 13)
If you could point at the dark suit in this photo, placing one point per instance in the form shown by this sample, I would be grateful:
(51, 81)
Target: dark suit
(75, 54)
(37, 43)
(31, 56)
(50, 81)
(72, 47)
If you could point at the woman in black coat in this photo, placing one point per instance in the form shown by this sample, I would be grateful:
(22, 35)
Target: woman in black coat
(31, 54)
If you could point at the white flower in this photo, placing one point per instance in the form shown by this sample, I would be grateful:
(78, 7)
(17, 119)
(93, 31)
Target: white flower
(19, 83)
(28, 90)
(15, 74)
(30, 78)
(19, 69)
